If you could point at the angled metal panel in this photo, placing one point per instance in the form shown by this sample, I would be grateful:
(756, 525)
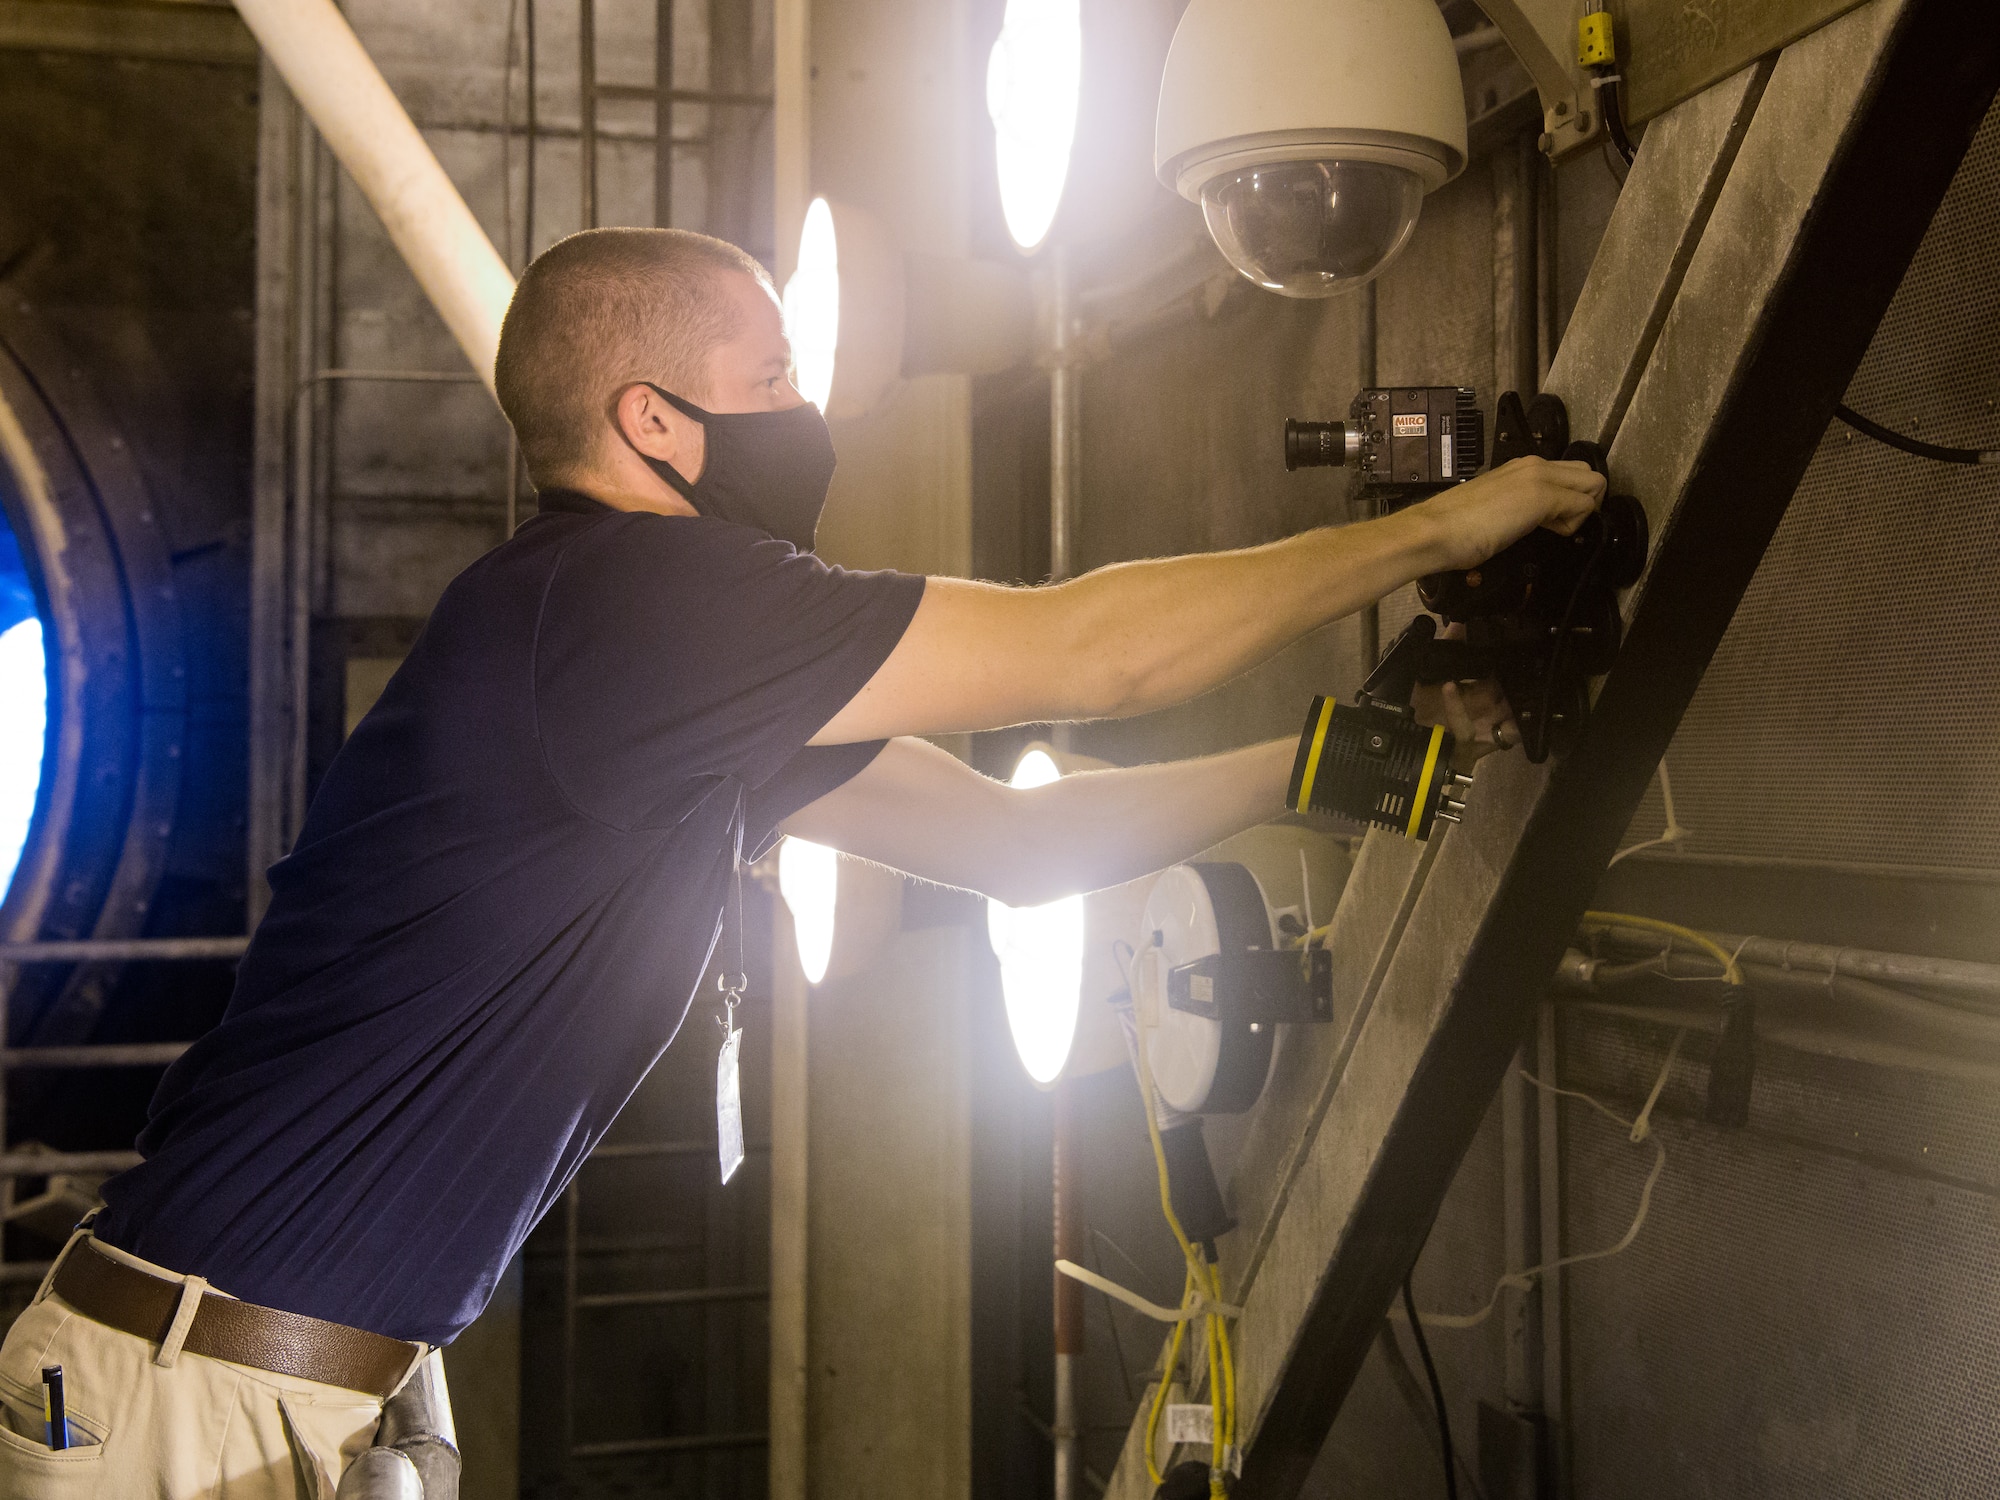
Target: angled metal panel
(1846, 158)
(1763, 250)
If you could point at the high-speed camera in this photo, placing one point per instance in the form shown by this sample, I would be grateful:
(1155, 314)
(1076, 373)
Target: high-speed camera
(1427, 436)
(1540, 617)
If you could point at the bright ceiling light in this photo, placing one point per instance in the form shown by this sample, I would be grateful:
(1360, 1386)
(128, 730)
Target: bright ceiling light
(1033, 78)
(809, 880)
(812, 306)
(1040, 949)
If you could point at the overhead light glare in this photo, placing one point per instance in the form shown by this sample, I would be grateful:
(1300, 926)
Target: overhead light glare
(1033, 78)
(812, 305)
(809, 880)
(1040, 949)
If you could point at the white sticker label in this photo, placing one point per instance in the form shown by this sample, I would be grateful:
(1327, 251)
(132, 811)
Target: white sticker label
(1189, 1423)
(1413, 424)
(729, 1105)
(1444, 446)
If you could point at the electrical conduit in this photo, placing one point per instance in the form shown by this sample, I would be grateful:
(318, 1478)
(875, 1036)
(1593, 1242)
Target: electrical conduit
(345, 96)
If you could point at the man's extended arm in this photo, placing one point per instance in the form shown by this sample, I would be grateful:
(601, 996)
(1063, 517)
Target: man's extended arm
(918, 810)
(1143, 635)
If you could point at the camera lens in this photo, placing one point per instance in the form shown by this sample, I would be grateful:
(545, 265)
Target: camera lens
(1312, 228)
(1314, 445)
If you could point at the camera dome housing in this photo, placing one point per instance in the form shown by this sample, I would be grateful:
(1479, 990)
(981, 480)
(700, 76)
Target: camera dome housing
(1309, 132)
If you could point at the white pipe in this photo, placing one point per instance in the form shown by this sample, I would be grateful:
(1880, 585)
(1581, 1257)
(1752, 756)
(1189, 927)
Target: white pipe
(344, 94)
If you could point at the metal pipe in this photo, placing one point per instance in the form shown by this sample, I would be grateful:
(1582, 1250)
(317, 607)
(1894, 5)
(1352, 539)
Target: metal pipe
(700, 1443)
(130, 950)
(664, 1148)
(1365, 356)
(51, 1163)
(586, 94)
(665, 96)
(684, 96)
(99, 1055)
(1065, 1430)
(699, 1296)
(346, 97)
(572, 1205)
(1945, 975)
(1064, 400)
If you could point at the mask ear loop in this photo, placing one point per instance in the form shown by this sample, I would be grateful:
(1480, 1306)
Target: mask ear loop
(660, 466)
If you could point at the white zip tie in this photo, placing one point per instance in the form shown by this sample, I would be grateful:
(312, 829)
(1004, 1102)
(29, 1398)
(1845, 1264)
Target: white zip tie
(1200, 1307)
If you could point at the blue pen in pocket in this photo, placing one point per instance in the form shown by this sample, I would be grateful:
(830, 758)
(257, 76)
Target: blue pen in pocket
(55, 1415)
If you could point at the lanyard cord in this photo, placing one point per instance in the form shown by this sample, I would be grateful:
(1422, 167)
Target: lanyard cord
(733, 983)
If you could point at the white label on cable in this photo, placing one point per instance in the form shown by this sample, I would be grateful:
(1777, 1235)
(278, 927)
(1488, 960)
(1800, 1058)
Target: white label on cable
(1189, 1423)
(1410, 424)
(729, 1105)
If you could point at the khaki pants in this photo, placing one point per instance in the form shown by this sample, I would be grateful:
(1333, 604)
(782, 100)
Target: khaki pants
(149, 1423)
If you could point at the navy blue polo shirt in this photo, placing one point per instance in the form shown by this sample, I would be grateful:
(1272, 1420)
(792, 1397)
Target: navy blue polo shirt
(503, 900)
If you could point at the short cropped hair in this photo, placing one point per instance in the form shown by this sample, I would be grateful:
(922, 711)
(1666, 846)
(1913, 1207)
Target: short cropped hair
(598, 312)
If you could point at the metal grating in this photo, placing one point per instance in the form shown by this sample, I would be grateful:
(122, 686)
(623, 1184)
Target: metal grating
(1812, 1310)
(1851, 713)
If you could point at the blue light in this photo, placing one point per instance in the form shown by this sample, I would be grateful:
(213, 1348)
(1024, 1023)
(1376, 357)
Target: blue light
(24, 694)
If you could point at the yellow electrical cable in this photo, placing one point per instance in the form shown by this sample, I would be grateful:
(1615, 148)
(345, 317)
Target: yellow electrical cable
(1701, 940)
(1203, 1280)
(1160, 1399)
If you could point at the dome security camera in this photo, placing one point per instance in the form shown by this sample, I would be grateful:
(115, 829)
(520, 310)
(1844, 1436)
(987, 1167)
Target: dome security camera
(1309, 132)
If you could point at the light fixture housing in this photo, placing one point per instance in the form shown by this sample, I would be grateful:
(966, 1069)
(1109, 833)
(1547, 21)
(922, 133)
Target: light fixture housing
(1309, 132)
(862, 314)
(1203, 1061)
(1034, 80)
(1041, 950)
(809, 881)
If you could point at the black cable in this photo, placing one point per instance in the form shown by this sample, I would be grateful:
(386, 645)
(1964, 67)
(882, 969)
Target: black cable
(1437, 1392)
(1912, 445)
(1606, 85)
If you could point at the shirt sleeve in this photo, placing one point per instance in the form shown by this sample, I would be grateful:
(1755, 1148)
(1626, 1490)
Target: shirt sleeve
(676, 650)
(804, 779)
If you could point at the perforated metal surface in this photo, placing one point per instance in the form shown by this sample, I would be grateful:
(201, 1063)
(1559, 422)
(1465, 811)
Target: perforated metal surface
(1852, 712)
(1812, 1309)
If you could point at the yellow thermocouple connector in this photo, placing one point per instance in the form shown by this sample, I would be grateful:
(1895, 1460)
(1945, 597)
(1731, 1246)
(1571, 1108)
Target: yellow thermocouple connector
(1594, 46)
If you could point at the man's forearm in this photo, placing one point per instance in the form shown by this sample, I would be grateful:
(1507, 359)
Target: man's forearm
(918, 810)
(1156, 633)
(1103, 828)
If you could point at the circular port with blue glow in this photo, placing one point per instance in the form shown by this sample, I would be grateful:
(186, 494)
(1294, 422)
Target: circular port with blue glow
(24, 691)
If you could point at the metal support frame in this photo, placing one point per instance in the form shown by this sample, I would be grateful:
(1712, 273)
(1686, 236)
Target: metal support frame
(1760, 238)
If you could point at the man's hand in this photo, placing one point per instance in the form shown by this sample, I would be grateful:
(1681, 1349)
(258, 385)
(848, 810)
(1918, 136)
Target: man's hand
(1480, 517)
(1476, 713)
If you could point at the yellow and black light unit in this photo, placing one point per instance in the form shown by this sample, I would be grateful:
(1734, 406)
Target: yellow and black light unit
(1373, 763)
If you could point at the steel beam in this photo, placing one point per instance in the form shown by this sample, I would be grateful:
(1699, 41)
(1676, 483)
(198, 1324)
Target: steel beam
(184, 33)
(1777, 223)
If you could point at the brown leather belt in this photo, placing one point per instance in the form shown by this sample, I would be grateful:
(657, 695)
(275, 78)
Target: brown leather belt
(243, 1333)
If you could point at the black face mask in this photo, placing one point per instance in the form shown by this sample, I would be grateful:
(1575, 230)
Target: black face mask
(768, 469)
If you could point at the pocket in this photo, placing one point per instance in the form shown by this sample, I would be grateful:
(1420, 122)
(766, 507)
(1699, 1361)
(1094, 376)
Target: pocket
(31, 1470)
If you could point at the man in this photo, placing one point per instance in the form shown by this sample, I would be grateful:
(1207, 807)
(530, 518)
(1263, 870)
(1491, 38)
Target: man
(515, 873)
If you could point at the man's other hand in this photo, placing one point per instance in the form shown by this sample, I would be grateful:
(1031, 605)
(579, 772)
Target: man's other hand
(1480, 517)
(1476, 713)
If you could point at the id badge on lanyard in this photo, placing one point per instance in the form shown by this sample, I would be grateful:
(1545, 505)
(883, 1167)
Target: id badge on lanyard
(728, 1078)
